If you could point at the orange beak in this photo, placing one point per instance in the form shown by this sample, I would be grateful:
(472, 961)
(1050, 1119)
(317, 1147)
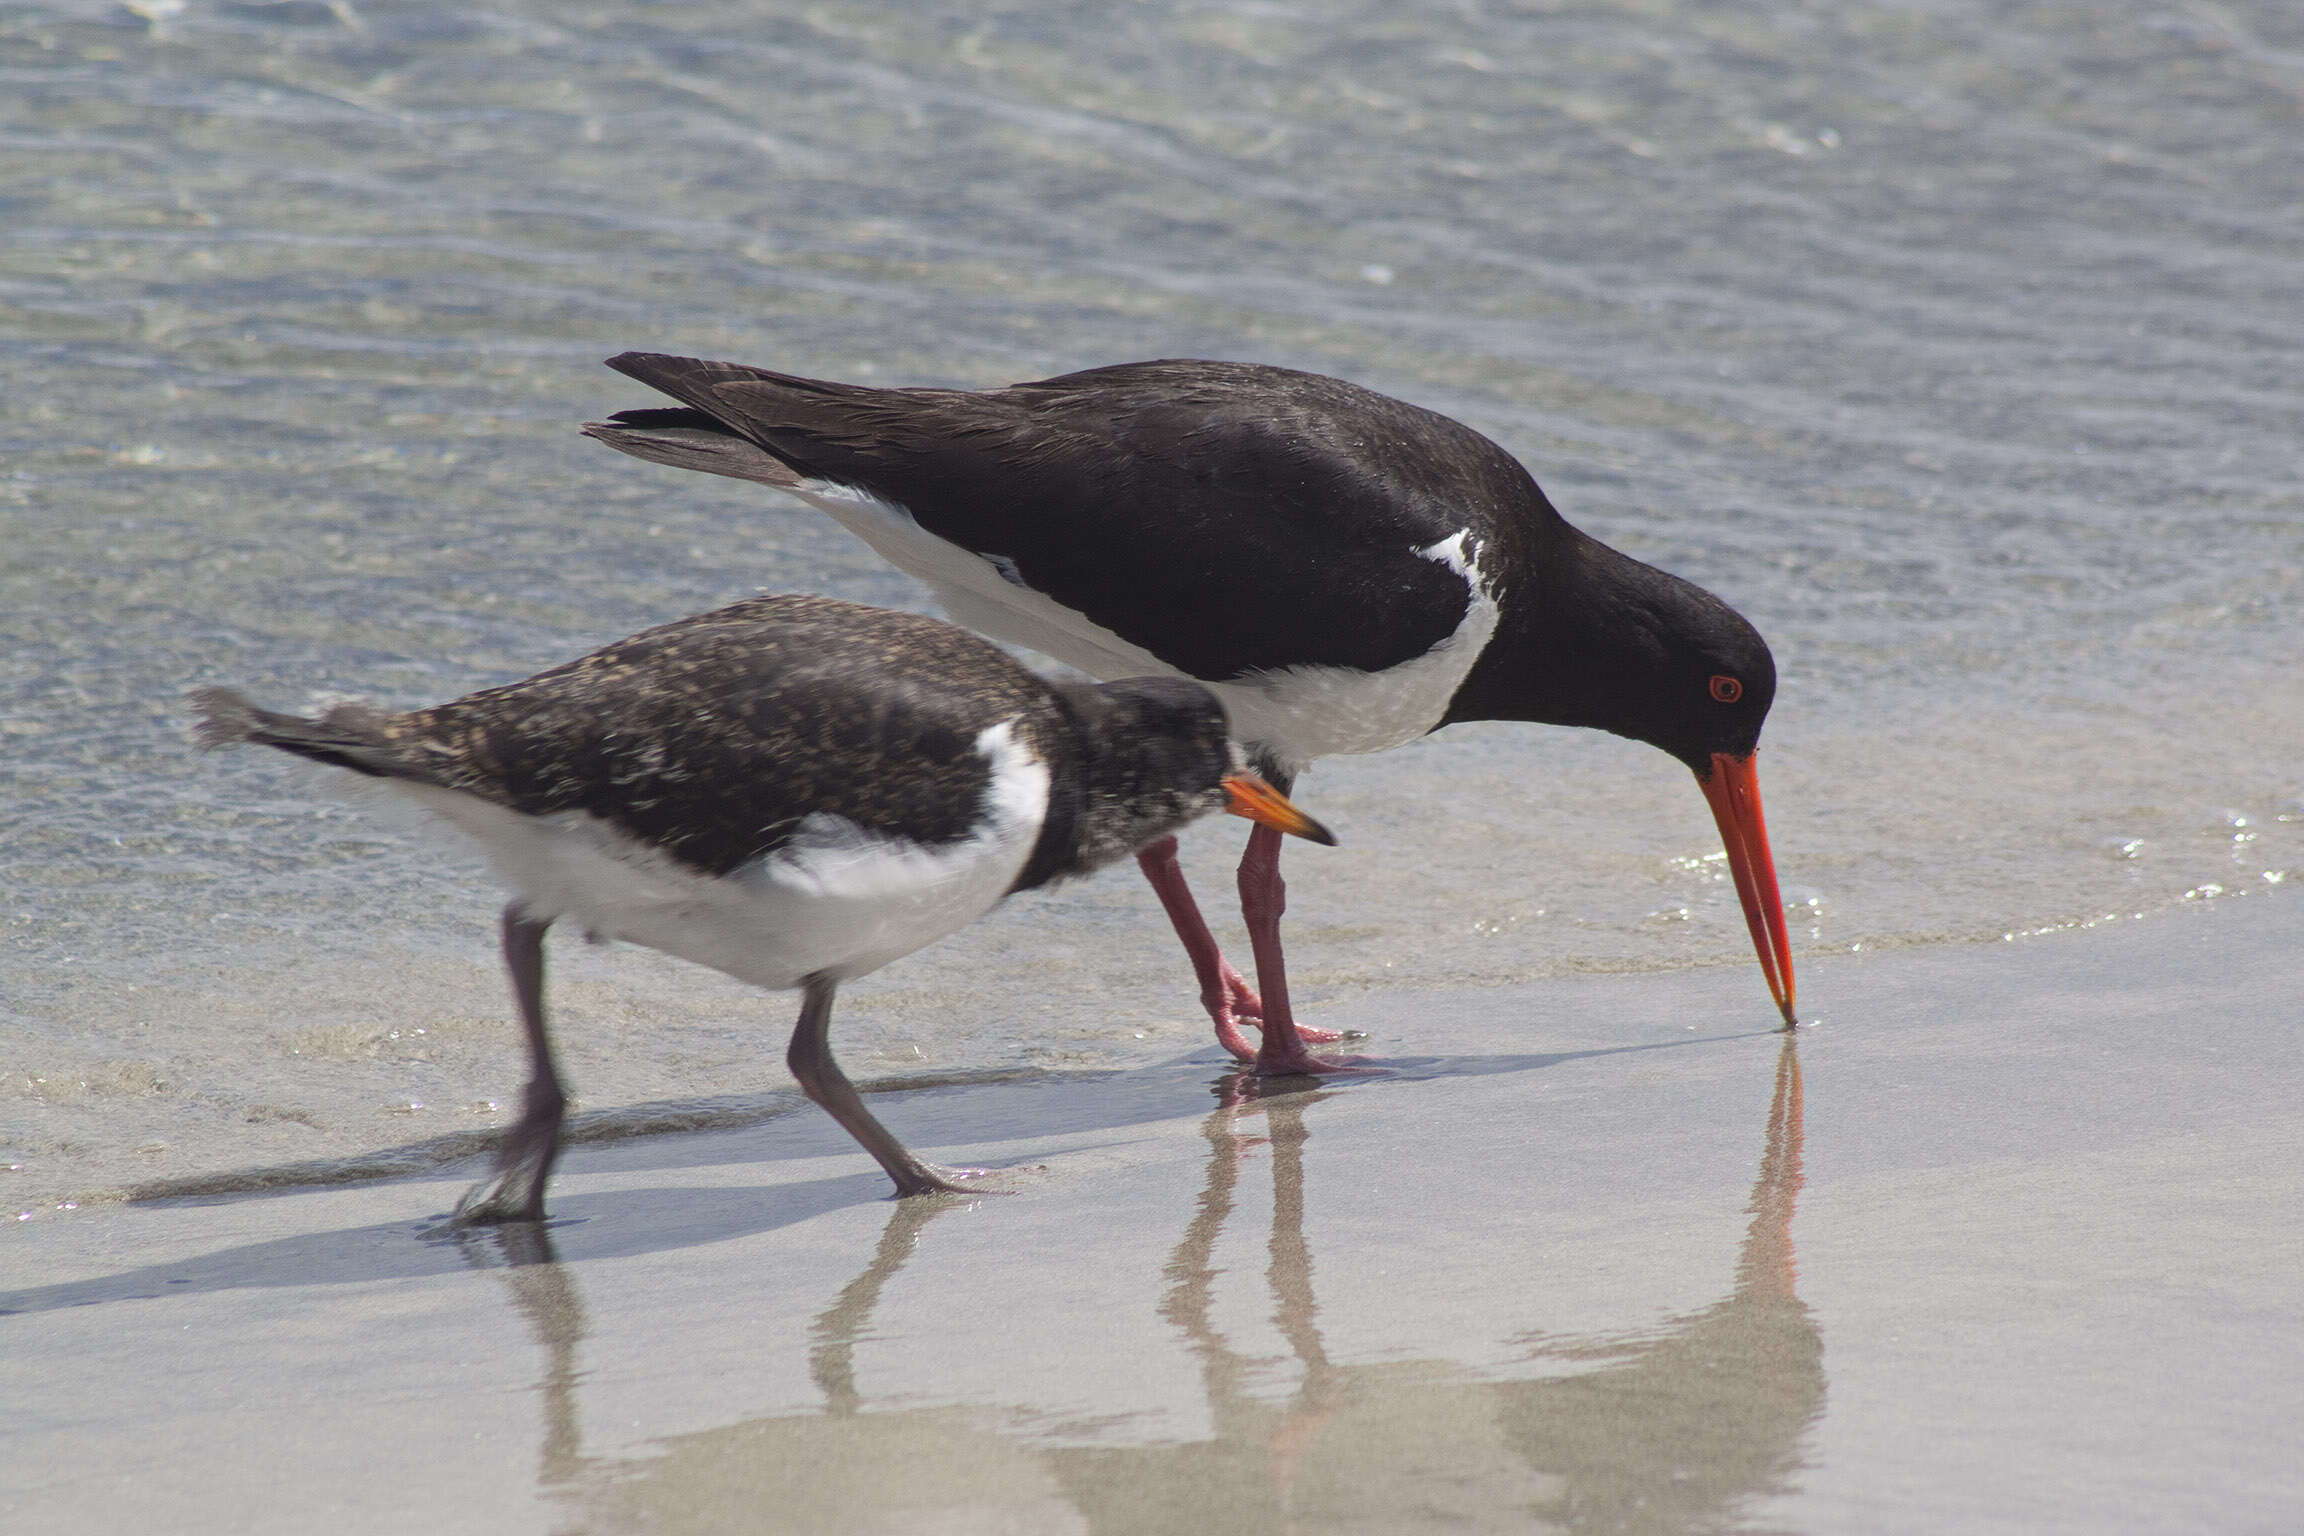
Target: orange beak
(1733, 788)
(1249, 796)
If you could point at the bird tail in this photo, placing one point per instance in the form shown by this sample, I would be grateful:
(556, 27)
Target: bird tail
(348, 736)
(707, 435)
(688, 439)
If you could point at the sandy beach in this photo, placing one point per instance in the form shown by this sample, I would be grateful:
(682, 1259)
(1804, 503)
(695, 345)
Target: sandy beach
(2004, 1240)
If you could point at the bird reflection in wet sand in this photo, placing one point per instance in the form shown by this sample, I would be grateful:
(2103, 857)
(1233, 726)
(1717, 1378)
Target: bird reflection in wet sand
(1684, 1426)
(544, 1292)
(1676, 1429)
(832, 1340)
(1192, 1271)
(1675, 1433)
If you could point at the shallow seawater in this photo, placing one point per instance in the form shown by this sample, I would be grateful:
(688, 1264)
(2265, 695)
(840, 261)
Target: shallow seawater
(1956, 347)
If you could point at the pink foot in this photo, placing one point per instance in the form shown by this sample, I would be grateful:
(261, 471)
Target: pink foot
(1230, 1004)
(1305, 1064)
(1284, 1055)
(1238, 1005)
(936, 1179)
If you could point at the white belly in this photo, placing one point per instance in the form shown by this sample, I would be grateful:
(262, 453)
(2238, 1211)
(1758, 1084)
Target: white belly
(836, 899)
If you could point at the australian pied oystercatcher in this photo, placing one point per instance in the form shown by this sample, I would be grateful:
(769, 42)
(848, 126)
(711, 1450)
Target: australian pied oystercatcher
(792, 790)
(1346, 571)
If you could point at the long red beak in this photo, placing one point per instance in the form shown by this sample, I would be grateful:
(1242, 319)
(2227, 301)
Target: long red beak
(1733, 787)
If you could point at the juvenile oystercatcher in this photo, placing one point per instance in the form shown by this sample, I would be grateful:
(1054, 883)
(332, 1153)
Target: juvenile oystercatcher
(791, 790)
(1346, 571)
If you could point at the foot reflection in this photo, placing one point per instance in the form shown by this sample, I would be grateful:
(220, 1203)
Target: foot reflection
(832, 1338)
(1277, 1105)
(544, 1293)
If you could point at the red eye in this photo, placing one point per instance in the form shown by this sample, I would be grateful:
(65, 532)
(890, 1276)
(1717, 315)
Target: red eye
(1725, 688)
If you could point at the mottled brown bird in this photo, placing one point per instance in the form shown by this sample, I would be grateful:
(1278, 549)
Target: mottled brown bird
(792, 790)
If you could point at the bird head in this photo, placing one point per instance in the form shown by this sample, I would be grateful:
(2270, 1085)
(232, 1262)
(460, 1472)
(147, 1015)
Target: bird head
(1619, 646)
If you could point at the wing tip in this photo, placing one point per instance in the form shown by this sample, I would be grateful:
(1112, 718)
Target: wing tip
(647, 367)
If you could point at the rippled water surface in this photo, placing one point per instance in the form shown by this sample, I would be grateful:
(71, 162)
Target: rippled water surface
(1957, 345)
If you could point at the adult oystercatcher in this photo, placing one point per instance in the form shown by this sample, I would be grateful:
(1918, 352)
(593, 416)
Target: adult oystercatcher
(1346, 571)
(791, 790)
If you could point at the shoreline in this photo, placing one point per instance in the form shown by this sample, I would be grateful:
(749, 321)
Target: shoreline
(1986, 1248)
(1370, 998)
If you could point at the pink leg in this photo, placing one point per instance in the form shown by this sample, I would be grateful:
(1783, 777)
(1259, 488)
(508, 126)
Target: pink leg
(1224, 992)
(1226, 995)
(1263, 897)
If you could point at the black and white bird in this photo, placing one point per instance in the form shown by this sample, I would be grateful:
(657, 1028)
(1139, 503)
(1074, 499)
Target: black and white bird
(1346, 571)
(792, 790)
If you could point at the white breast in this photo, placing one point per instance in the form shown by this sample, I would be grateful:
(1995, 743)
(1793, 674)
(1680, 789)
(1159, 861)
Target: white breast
(836, 899)
(1300, 713)
(1294, 713)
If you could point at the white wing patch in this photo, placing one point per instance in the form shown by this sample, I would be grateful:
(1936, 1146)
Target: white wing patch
(1301, 713)
(1294, 713)
(866, 899)
(837, 898)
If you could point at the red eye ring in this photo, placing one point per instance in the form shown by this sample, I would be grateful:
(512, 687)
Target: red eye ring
(1725, 688)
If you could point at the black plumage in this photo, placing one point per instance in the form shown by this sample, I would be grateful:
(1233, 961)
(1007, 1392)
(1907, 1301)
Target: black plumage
(1346, 570)
(1203, 511)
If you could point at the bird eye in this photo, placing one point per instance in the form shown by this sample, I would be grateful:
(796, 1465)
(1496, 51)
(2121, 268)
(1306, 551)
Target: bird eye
(1725, 688)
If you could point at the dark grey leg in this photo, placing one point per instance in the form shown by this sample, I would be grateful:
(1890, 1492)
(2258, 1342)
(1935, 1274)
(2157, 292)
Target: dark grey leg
(515, 1191)
(810, 1059)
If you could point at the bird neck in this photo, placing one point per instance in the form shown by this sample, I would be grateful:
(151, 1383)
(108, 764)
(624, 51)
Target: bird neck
(1056, 854)
(1576, 637)
(1124, 771)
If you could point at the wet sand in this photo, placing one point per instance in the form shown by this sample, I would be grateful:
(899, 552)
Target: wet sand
(2007, 1241)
